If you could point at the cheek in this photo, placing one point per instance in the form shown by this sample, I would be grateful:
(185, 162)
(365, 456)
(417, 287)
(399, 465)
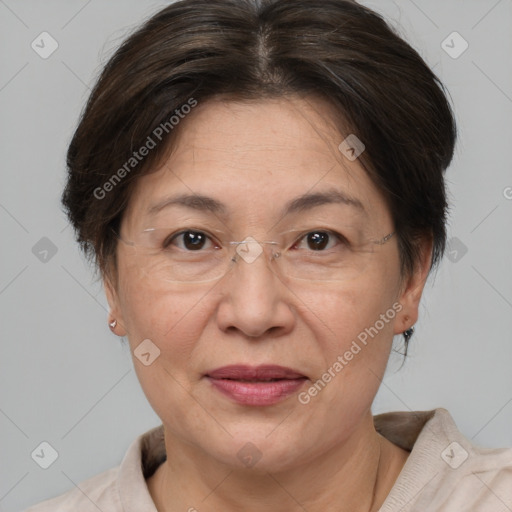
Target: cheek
(171, 319)
(174, 322)
(353, 332)
(340, 315)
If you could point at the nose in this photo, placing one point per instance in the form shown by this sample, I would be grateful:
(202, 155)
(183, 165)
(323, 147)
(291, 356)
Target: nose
(255, 300)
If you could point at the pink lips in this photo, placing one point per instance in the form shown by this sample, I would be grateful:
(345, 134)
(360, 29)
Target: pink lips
(260, 385)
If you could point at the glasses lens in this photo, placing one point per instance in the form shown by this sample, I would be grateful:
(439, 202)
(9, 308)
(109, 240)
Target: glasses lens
(315, 255)
(187, 256)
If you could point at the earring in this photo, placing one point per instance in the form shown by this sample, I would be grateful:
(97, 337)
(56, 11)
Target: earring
(113, 325)
(408, 334)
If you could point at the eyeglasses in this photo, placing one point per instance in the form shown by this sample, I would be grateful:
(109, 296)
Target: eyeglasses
(194, 255)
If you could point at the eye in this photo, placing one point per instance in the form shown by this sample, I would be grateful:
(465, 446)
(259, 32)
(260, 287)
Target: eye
(189, 240)
(318, 241)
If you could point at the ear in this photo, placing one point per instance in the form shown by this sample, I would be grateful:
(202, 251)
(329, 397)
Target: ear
(115, 306)
(412, 289)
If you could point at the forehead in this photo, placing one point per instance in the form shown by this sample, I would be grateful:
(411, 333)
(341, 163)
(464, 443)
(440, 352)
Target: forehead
(278, 133)
(254, 156)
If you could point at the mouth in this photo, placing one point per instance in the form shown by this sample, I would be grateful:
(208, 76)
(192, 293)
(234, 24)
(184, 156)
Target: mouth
(260, 385)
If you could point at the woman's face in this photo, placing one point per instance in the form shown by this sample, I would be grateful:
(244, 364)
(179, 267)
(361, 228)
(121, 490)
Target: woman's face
(263, 170)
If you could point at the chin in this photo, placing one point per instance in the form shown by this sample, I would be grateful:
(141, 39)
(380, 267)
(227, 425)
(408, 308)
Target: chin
(253, 449)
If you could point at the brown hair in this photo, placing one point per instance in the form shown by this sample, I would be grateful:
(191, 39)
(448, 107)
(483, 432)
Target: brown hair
(194, 50)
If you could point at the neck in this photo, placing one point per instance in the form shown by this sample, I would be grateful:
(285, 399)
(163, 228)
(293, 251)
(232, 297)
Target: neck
(356, 475)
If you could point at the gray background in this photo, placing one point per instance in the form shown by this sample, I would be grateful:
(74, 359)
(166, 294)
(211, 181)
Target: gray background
(67, 380)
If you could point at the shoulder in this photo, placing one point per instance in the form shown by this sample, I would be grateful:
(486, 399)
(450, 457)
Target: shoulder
(98, 492)
(121, 489)
(446, 471)
(481, 477)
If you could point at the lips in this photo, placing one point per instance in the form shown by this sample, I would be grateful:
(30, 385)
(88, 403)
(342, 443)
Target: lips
(254, 373)
(260, 385)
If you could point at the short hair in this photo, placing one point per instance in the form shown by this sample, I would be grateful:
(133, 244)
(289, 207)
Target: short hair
(194, 50)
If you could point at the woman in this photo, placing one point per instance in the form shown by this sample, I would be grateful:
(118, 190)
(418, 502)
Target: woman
(261, 186)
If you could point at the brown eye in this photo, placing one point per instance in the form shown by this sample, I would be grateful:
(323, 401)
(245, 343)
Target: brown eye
(189, 241)
(193, 240)
(318, 240)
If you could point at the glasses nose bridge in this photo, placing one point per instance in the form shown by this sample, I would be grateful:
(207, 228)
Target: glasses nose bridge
(250, 250)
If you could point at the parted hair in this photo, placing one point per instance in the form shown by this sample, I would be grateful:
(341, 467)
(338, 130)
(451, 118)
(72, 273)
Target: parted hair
(194, 50)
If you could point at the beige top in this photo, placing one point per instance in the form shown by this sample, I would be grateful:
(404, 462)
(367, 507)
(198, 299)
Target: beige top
(444, 472)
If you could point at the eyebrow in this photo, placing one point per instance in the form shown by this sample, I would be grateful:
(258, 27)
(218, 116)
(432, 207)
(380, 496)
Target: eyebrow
(311, 200)
(192, 201)
(300, 204)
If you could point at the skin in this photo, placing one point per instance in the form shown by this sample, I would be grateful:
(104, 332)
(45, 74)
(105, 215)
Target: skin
(254, 157)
